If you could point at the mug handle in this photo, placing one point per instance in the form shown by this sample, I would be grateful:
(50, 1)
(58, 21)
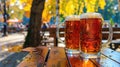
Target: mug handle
(110, 36)
(58, 33)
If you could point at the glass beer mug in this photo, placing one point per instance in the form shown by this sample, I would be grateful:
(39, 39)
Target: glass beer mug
(72, 33)
(91, 35)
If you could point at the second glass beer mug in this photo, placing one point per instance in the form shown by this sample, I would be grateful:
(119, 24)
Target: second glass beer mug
(91, 35)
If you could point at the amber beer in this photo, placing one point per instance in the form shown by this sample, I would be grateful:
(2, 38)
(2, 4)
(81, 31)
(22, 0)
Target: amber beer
(91, 33)
(72, 33)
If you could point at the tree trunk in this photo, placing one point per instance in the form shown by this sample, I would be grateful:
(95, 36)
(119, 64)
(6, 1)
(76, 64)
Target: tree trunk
(33, 37)
(5, 16)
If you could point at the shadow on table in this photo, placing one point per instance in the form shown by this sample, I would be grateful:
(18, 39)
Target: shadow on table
(13, 60)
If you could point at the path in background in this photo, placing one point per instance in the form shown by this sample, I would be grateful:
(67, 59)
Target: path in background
(7, 42)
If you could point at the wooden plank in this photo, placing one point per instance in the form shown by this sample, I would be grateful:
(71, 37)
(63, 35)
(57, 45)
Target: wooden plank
(114, 29)
(57, 58)
(113, 55)
(107, 62)
(62, 29)
(36, 57)
(13, 60)
(115, 36)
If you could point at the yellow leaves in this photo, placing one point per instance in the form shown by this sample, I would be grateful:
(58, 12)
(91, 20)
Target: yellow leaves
(46, 16)
(62, 6)
(102, 4)
(20, 6)
(81, 7)
(12, 1)
(66, 7)
(15, 48)
(70, 8)
(23, 1)
(92, 5)
(90, 9)
(49, 10)
(27, 7)
(91, 2)
(26, 1)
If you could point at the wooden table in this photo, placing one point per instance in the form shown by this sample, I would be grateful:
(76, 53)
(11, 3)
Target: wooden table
(57, 57)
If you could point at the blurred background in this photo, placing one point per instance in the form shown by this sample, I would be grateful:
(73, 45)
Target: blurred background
(16, 13)
(15, 16)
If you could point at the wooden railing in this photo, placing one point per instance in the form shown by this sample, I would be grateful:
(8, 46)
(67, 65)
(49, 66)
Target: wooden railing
(105, 33)
(116, 33)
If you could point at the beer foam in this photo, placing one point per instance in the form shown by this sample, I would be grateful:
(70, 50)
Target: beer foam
(72, 18)
(91, 15)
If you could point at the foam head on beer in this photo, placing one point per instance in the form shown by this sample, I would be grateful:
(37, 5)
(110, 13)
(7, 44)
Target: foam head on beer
(72, 18)
(91, 15)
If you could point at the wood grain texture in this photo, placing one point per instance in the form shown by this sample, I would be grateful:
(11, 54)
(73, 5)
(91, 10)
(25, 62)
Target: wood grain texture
(36, 58)
(57, 58)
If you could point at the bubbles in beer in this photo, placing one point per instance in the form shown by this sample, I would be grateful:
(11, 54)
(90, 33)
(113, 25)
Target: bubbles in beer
(72, 32)
(91, 32)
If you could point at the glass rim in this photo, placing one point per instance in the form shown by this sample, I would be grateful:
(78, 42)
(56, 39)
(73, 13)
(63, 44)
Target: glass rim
(72, 17)
(91, 15)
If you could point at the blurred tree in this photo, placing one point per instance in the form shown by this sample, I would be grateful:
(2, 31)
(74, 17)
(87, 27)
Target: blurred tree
(4, 9)
(18, 8)
(67, 7)
(33, 37)
(109, 10)
(71, 7)
(34, 12)
(16, 12)
(49, 10)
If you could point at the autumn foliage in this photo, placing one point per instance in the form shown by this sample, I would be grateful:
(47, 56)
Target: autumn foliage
(67, 7)
(71, 7)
